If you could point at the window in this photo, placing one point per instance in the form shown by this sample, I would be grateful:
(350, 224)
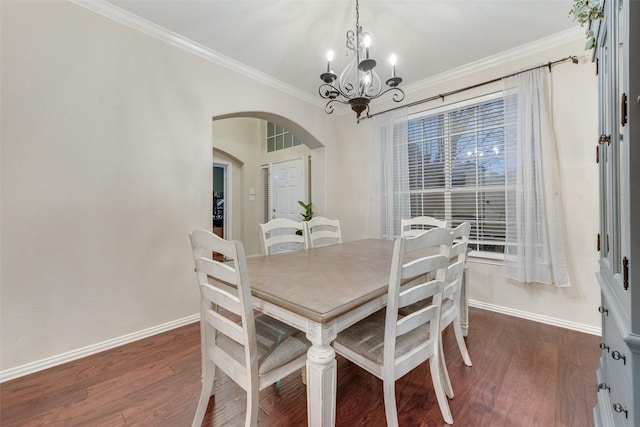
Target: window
(279, 138)
(457, 168)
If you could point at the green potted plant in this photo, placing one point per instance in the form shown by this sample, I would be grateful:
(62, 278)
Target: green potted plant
(583, 12)
(306, 215)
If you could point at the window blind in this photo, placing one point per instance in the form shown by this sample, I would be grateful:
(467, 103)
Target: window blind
(457, 169)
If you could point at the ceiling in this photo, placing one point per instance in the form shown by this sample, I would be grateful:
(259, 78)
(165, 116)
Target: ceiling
(288, 39)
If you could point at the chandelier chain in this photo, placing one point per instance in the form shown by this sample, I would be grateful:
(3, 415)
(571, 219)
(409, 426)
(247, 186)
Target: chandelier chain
(357, 17)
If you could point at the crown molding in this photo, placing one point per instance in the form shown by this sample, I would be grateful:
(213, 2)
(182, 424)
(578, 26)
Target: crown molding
(135, 22)
(516, 53)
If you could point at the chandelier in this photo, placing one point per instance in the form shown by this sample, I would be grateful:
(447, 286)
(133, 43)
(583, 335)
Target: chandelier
(358, 83)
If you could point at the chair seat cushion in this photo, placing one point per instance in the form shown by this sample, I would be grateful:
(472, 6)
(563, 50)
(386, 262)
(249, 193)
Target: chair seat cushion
(277, 344)
(366, 338)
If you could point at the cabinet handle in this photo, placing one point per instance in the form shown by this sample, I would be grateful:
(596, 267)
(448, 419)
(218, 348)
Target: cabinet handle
(604, 138)
(603, 310)
(604, 386)
(603, 346)
(617, 356)
(620, 409)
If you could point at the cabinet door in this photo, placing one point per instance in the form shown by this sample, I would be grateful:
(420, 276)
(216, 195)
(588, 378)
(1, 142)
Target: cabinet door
(608, 185)
(613, 146)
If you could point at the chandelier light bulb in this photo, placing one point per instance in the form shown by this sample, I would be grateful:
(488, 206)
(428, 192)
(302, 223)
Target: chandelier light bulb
(329, 59)
(393, 61)
(367, 44)
(330, 56)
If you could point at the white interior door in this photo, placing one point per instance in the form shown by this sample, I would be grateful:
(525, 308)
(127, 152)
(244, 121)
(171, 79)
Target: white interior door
(288, 186)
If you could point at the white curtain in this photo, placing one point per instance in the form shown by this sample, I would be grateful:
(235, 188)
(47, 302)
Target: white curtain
(389, 177)
(534, 250)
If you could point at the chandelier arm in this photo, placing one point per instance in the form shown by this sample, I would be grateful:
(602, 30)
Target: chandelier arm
(333, 92)
(398, 94)
(336, 93)
(328, 108)
(375, 88)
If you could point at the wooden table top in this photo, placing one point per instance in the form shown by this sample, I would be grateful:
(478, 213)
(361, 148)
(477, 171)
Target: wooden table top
(323, 283)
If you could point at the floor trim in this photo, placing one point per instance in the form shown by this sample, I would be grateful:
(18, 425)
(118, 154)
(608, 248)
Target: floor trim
(79, 353)
(50, 362)
(553, 321)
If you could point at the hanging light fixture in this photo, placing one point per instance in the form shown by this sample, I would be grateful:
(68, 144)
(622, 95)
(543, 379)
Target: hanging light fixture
(358, 83)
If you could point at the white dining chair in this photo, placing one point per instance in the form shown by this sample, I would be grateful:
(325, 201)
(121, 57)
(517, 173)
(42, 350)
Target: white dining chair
(451, 297)
(388, 345)
(282, 235)
(256, 351)
(323, 231)
(416, 225)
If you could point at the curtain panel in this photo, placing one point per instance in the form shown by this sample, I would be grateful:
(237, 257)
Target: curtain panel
(535, 243)
(390, 200)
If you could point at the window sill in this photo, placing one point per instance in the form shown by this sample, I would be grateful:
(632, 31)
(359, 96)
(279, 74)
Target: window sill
(486, 257)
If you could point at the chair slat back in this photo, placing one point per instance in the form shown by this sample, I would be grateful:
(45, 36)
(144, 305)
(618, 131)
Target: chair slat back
(422, 265)
(282, 231)
(322, 231)
(413, 226)
(224, 284)
(457, 259)
(454, 279)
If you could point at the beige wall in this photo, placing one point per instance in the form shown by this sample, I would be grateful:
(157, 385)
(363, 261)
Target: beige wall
(106, 155)
(106, 167)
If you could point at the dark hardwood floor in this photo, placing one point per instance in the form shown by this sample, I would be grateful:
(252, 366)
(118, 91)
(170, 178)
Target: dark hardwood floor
(524, 374)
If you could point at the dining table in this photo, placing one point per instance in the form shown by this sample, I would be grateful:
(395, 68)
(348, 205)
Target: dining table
(323, 291)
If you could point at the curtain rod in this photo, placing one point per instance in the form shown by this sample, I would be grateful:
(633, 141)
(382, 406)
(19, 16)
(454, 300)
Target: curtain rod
(573, 59)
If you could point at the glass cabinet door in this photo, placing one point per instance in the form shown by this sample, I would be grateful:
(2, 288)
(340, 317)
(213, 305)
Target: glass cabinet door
(613, 157)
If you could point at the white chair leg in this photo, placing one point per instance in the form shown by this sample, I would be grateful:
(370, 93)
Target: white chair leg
(206, 393)
(457, 329)
(444, 374)
(253, 398)
(437, 386)
(389, 388)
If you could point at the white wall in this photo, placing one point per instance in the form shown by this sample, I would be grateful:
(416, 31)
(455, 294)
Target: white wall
(106, 166)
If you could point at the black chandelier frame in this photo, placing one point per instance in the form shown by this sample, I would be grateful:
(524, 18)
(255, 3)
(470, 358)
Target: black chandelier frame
(341, 90)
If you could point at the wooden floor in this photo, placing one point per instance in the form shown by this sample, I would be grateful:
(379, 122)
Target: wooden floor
(524, 374)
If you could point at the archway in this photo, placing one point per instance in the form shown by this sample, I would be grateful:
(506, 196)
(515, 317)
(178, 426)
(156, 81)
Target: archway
(241, 137)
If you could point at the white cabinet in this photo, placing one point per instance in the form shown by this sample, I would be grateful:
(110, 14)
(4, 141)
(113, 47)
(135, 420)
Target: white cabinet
(617, 54)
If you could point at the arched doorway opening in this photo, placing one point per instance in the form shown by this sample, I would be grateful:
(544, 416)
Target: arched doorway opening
(242, 138)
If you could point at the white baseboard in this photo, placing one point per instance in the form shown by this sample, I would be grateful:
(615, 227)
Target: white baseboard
(79, 353)
(580, 327)
(50, 362)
